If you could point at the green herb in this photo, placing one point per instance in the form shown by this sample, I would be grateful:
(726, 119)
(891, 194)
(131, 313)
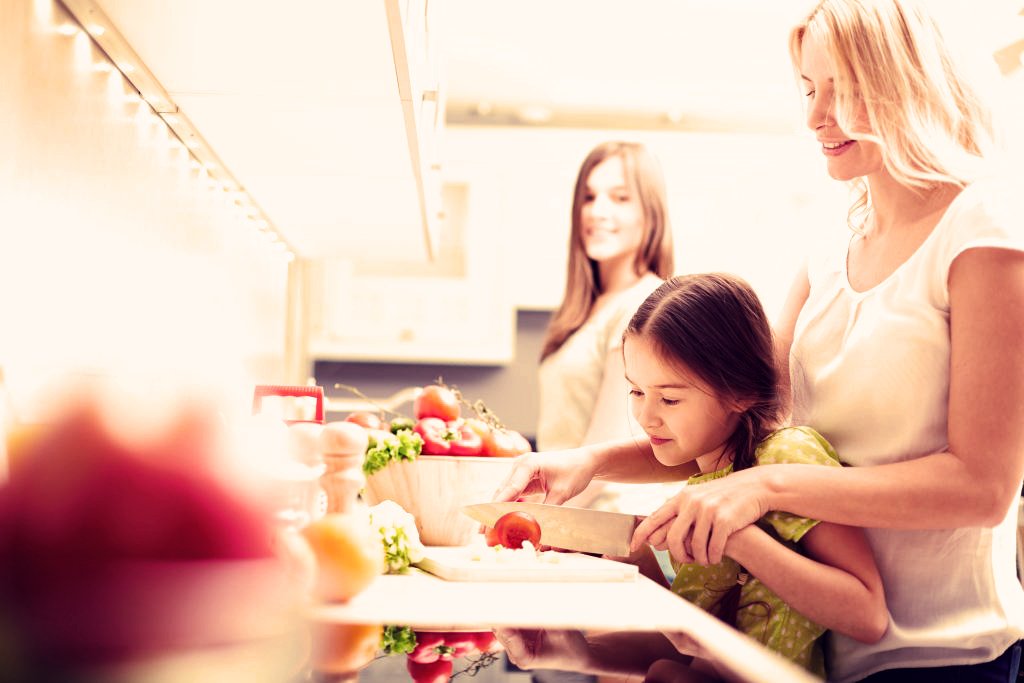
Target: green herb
(397, 640)
(405, 445)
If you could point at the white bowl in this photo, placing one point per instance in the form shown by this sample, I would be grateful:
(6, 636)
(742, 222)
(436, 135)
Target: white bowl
(433, 488)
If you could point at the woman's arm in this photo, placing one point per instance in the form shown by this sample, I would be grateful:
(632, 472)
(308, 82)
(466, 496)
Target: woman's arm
(973, 483)
(837, 586)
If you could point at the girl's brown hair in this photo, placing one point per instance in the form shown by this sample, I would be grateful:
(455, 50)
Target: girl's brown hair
(583, 285)
(713, 324)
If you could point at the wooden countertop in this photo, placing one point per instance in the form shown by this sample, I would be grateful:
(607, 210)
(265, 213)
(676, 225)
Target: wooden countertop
(423, 601)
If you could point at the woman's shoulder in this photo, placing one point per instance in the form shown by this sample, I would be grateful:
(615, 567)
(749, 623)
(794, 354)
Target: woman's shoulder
(796, 445)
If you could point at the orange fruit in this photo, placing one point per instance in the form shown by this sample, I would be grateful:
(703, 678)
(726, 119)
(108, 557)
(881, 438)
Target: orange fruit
(344, 648)
(349, 554)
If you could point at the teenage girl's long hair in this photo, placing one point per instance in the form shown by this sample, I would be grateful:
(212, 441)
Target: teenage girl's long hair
(714, 326)
(889, 55)
(583, 285)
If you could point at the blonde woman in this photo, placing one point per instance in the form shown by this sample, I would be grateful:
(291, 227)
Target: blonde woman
(903, 348)
(620, 250)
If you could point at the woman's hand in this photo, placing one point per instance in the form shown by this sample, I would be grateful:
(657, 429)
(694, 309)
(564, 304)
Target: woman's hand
(696, 523)
(559, 475)
(545, 649)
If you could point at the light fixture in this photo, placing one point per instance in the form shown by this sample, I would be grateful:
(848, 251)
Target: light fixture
(119, 52)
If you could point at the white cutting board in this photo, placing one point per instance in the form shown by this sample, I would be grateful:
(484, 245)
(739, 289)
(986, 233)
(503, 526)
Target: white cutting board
(457, 564)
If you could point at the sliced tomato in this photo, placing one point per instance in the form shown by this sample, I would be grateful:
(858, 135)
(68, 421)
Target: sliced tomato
(513, 528)
(437, 401)
(491, 536)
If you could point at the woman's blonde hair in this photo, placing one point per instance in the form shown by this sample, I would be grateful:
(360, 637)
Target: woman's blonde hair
(890, 56)
(643, 176)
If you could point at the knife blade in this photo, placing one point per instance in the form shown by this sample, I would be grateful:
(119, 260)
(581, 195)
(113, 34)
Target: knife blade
(571, 528)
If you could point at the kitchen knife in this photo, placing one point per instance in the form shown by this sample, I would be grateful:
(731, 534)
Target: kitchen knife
(589, 531)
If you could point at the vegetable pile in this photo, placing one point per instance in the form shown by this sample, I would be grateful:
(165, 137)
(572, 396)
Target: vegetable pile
(439, 428)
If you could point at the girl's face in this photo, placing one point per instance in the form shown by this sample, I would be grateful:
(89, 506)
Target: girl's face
(683, 417)
(847, 159)
(612, 218)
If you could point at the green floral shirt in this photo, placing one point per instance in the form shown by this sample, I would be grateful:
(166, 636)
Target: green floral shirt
(761, 614)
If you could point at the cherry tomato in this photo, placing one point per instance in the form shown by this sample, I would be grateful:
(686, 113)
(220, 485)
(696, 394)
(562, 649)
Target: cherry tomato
(513, 528)
(491, 536)
(436, 436)
(500, 444)
(462, 643)
(431, 672)
(466, 441)
(485, 641)
(429, 647)
(366, 419)
(437, 401)
(521, 443)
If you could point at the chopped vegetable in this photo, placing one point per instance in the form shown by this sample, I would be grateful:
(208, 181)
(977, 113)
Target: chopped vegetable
(397, 529)
(405, 445)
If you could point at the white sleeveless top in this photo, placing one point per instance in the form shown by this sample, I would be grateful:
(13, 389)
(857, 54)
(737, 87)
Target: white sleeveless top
(570, 378)
(870, 371)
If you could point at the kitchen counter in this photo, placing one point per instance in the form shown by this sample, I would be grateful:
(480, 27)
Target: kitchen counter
(423, 601)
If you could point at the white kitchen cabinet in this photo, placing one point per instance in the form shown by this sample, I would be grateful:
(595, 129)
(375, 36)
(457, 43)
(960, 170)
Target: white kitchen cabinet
(379, 307)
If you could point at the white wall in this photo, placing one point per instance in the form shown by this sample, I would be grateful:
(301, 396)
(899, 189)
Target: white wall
(747, 204)
(116, 255)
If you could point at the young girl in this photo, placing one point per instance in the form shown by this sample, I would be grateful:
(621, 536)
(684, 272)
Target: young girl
(703, 385)
(699, 362)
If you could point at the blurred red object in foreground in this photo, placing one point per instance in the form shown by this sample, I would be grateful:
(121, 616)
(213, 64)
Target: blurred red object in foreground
(118, 547)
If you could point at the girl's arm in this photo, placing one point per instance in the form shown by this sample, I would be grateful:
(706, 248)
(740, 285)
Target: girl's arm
(837, 586)
(559, 475)
(973, 483)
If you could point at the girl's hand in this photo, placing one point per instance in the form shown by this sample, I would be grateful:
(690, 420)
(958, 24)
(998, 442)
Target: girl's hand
(696, 523)
(559, 475)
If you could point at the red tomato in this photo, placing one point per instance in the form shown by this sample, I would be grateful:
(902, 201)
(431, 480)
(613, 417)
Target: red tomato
(491, 536)
(366, 419)
(466, 441)
(461, 643)
(485, 641)
(522, 444)
(499, 443)
(431, 672)
(515, 527)
(436, 436)
(429, 647)
(437, 401)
